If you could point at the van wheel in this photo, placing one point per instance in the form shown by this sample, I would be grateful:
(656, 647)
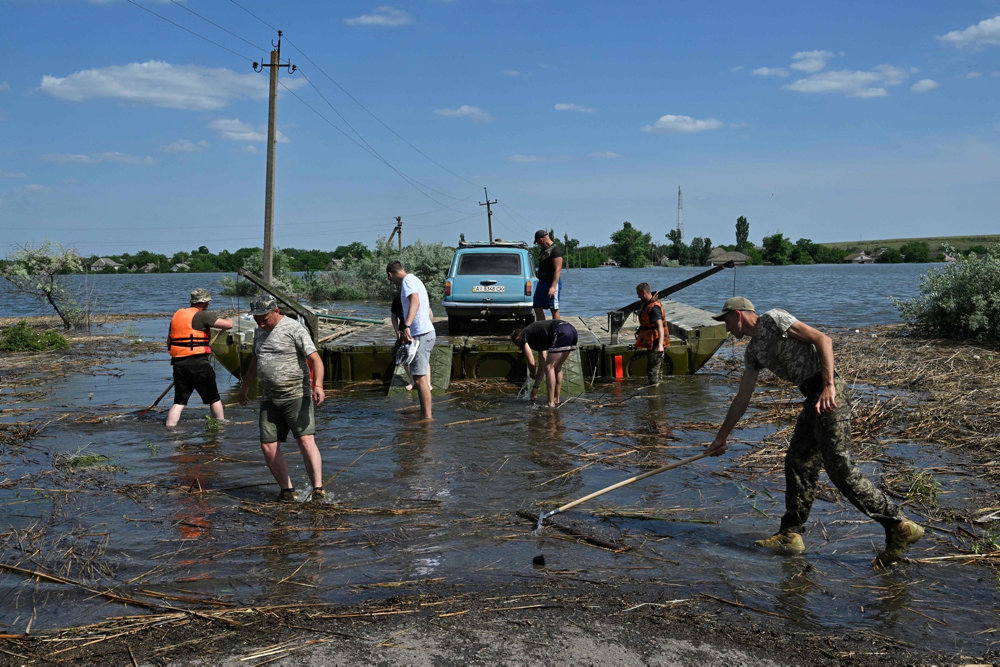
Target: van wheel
(454, 325)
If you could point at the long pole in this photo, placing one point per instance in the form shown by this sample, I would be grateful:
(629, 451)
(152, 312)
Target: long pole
(272, 111)
(624, 482)
(272, 142)
(489, 214)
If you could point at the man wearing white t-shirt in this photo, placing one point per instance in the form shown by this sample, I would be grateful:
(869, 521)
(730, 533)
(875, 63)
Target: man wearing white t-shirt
(417, 327)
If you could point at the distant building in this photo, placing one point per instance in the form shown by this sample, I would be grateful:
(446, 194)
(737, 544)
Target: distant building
(721, 256)
(105, 263)
(859, 257)
(149, 267)
(180, 267)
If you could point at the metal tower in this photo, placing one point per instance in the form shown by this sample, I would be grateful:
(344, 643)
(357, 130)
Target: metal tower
(680, 213)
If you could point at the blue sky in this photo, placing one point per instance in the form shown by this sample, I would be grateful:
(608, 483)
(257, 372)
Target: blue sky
(130, 125)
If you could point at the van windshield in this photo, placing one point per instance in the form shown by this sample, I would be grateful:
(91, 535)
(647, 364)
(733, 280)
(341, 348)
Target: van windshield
(489, 263)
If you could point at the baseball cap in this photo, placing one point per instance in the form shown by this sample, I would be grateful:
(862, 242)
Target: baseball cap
(262, 304)
(540, 233)
(200, 295)
(734, 303)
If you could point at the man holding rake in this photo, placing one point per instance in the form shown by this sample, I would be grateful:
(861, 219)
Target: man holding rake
(796, 352)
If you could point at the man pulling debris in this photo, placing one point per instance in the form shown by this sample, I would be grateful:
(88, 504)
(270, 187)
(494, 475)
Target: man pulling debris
(284, 359)
(798, 353)
(553, 340)
(191, 355)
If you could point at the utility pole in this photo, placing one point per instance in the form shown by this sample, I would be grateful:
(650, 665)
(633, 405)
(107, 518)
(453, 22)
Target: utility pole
(397, 229)
(489, 213)
(272, 111)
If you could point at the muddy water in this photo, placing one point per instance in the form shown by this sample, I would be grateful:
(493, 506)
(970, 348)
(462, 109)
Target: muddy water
(188, 513)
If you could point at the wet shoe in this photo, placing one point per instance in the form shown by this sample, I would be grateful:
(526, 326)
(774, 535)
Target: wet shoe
(318, 496)
(897, 538)
(286, 496)
(787, 543)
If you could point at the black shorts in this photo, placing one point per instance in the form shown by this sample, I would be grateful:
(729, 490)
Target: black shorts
(189, 378)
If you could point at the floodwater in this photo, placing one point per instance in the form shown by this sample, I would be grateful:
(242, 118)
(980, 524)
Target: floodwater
(186, 512)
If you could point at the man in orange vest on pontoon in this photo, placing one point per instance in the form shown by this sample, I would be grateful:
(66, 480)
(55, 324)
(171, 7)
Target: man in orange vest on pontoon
(191, 356)
(652, 333)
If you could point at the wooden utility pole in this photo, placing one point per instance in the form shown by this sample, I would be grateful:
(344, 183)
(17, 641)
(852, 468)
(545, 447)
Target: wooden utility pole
(272, 112)
(398, 229)
(489, 213)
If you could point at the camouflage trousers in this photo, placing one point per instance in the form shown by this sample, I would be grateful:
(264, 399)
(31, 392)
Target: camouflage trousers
(824, 441)
(653, 363)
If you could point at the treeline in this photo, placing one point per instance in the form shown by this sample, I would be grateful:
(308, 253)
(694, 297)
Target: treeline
(204, 261)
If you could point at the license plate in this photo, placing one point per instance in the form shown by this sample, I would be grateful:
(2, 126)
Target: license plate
(489, 288)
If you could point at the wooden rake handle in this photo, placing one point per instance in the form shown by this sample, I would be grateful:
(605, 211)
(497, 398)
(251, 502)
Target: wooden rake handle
(626, 482)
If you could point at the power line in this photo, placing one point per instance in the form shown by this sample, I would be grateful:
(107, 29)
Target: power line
(372, 114)
(188, 30)
(229, 32)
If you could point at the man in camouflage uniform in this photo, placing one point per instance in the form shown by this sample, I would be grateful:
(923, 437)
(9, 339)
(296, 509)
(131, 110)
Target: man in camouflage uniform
(796, 352)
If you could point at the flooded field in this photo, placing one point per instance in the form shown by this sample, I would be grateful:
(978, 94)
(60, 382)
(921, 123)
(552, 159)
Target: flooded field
(124, 516)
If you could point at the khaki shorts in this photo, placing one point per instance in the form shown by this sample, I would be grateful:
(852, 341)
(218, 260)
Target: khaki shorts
(277, 418)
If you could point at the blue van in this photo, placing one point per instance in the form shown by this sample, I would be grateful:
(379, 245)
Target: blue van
(489, 281)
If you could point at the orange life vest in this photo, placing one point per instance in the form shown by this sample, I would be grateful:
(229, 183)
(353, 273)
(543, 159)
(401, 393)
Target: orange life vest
(184, 340)
(647, 335)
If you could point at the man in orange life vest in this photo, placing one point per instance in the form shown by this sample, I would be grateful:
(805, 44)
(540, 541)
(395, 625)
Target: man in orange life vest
(191, 356)
(651, 334)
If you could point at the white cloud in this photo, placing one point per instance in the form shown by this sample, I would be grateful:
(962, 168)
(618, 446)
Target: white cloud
(574, 107)
(186, 146)
(538, 158)
(605, 155)
(234, 129)
(770, 71)
(852, 83)
(810, 61)
(672, 123)
(34, 187)
(11, 174)
(513, 73)
(4, 85)
(924, 85)
(384, 16)
(465, 111)
(160, 84)
(97, 158)
(984, 32)
(973, 75)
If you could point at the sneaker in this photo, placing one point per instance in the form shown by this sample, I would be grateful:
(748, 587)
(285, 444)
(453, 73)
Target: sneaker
(286, 496)
(318, 495)
(897, 538)
(788, 543)
(405, 352)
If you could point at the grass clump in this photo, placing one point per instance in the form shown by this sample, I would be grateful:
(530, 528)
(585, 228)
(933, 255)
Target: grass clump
(88, 460)
(22, 338)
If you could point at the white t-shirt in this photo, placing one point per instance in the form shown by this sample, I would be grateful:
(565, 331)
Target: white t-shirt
(421, 324)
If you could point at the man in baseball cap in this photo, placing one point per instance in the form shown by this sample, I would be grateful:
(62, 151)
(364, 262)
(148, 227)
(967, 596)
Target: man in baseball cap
(735, 303)
(290, 370)
(191, 355)
(802, 355)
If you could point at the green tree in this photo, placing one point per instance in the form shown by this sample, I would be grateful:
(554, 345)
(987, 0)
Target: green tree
(890, 256)
(804, 252)
(356, 250)
(699, 251)
(629, 246)
(742, 233)
(777, 249)
(677, 250)
(916, 252)
(960, 301)
(38, 272)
